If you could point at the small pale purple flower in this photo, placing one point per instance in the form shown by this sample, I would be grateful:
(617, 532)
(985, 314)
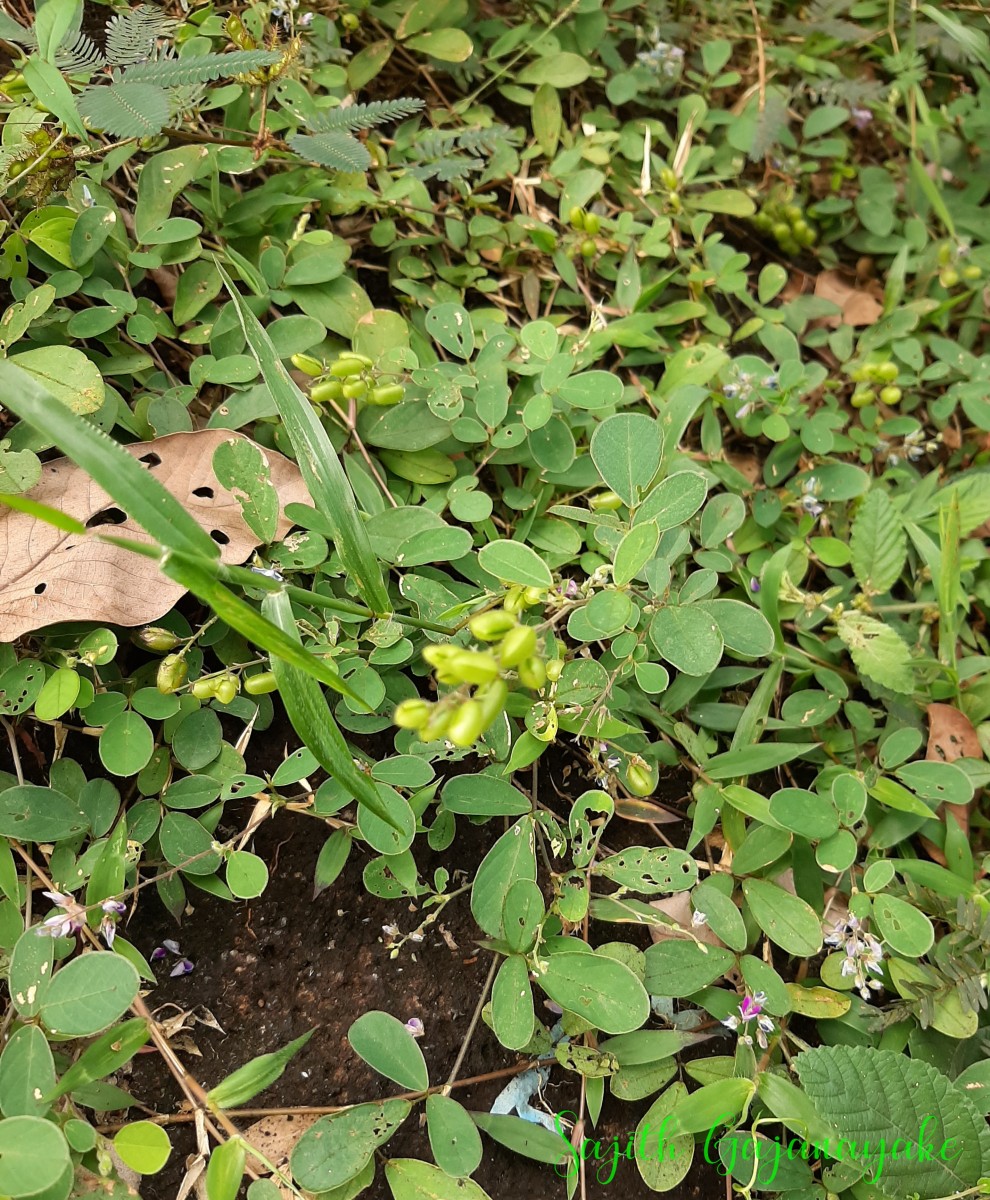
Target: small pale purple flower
(170, 946)
(754, 585)
(114, 908)
(861, 118)
(809, 501)
(569, 589)
(751, 1009)
(181, 968)
(415, 1027)
(65, 923)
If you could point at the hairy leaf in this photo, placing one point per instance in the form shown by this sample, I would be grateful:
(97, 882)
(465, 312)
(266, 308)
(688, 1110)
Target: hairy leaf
(878, 544)
(877, 651)
(182, 72)
(125, 110)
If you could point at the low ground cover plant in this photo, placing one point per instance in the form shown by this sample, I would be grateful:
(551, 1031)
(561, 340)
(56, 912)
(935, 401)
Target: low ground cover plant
(571, 422)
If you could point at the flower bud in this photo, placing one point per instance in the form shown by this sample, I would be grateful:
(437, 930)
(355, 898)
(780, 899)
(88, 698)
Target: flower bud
(668, 179)
(354, 389)
(532, 673)
(205, 689)
(513, 602)
(172, 672)
(261, 684)
(492, 697)
(227, 688)
(518, 644)
(576, 217)
(390, 394)
(533, 596)
(891, 395)
(639, 779)
(434, 729)
(949, 277)
(412, 714)
(345, 367)
(350, 21)
(474, 666)
(592, 223)
(887, 372)
(972, 272)
(154, 637)
(588, 248)
(329, 389)
(491, 626)
(554, 669)
(307, 364)
(466, 725)
(605, 502)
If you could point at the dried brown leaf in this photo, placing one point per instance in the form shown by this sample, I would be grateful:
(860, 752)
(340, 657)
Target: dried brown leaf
(950, 735)
(48, 575)
(859, 306)
(276, 1135)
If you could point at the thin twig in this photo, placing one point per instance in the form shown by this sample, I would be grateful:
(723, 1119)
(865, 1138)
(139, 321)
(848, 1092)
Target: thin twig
(461, 1054)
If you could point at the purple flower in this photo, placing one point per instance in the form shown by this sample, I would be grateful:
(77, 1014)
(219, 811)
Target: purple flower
(754, 585)
(861, 117)
(115, 908)
(415, 1027)
(751, 1009)
(65, 923)
(170, 946)
(569, 589)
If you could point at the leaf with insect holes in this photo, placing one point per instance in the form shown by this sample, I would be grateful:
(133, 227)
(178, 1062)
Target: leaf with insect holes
(878, 544)
(877, 651)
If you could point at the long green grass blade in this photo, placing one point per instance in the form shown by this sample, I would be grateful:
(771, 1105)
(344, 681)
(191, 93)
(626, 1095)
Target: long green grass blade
(200, 578)
(324, 476)
(44, 512)
(312, 719)
(120, 475)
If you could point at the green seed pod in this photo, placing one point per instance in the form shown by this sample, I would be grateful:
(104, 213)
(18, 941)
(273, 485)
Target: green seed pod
(354, 389)
(439, 656)
(491, 626)
(972, 272)
(639, 779)
(227, 688)
(307, 364)
(492, 697)
(859, 375)
(763, 223)
(350, 22)
(513, 602)
(944, 254)
(390, 394)
(668, 179)
(466, 725)
(343, 368)
(605, 502)
(576, 217)
(805, 235)
(588, 248)
(412, 714)
(862, 397)
(887, 372)
(532, 673)
(891, 395)
(363, 359)
(260, 684)
(592, 223)
(473, 666)
(205, 689)
(533, 596)
(792, 213)
(555, 668)
(154, 637)
(781, 231)
(436, 726)
(949, 277)
(517, 645)
(329, 389)
(172, 672)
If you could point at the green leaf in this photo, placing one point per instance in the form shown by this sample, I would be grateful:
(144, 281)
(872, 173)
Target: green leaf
(27, 1073)
(744, 629)
(663, 1161)
(591, 390)
(878, 544)
(903, 928)
(450, 327)
(873, 1094)
(320, 466)
(243, 469)
(109, 1052)
(143, 1146)
(124, 109)
(336, 1148)
(126, 745)
(679, 968)
(188, 844)
(334, 148)
(752, 760)
(247, 875)
(33, 1156)
(332, 859)
(410, 1179)
(525, 1138)
(448, 45)
(787, 920)
(634, 552)
(650, 871)
(877, 651)
(390, 1049)
(37, 814)
(673, 501)
(88, 994)
(512, 857)
(311, 718)
(688, 637)
(225, 1170)
(260, 1073)
(514, 562)
(513, 1015)
(712, 1105)
(597, 989)
(483, 796)
(560, 70)
(626, 450)
(454, 1137)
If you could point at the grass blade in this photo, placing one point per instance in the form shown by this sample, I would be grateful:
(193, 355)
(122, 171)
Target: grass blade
(324, 476)
(311, 718)
(120, 474)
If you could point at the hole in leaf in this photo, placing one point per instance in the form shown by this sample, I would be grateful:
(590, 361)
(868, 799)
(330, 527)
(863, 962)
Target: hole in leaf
(151, 459)
(107, 516)
(219, 537)
(40, 588)
(206, 493)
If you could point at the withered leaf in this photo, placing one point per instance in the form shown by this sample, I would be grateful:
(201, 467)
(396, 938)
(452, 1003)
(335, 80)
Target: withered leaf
(859, 306)
(48, 576)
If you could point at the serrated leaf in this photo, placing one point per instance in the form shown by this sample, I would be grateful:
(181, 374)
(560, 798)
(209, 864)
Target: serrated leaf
(202, 68)
(878, 544)
(877, 651)
(125, 110)
(335, 149)
(879, 1094)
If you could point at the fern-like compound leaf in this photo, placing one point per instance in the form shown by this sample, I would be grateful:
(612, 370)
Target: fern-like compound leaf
(124, 109)
(335, 149)
(363, 116)
(79, 55)
(183, 72)
(132, 36)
